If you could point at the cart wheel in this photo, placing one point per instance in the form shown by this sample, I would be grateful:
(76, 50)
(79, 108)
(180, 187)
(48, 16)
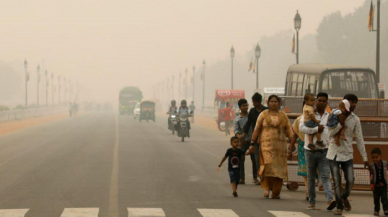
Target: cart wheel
(293, 186)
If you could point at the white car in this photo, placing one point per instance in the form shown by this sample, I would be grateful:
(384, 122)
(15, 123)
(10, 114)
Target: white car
(136, 111)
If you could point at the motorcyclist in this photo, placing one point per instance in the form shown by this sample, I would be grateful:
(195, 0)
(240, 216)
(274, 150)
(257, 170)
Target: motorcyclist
(184, 110)
(172, 110)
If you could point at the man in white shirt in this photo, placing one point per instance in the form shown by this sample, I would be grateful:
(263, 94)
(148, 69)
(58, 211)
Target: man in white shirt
(342, 156)
(316, 160)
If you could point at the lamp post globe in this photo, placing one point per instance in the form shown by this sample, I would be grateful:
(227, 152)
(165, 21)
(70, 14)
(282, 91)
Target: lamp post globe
(232, 52)
(258, 51)
(297, 21)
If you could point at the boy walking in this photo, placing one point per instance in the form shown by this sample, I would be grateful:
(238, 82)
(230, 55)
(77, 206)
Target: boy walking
(234, 158)
(239, 124)
(378, 181)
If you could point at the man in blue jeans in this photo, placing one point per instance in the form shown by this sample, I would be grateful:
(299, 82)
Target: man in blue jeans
(316, 159)
(342, 156)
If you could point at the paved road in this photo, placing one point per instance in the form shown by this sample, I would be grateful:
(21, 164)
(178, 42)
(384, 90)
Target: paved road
(100, 164)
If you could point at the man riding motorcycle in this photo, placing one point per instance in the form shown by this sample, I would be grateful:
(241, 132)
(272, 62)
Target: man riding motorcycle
(172, 110)
(183, 110)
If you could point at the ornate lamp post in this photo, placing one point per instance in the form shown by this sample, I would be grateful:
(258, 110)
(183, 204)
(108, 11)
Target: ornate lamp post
(27, 77)
(297, 25)
(231, 57)
(37, 84)
(203, 83)
(257, 54)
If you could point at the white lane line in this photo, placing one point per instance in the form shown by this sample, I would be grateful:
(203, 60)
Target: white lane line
(288, 214)
(80, 212)
(114, 181)
(217, 213)
(13, 212)
(145, 212)
(356, 215)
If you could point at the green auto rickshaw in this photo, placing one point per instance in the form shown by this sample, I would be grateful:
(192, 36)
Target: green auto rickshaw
(147, 111)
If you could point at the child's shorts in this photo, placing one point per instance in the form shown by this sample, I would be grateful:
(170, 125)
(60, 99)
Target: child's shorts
(234, 176)
(334, 118)
(311, 124)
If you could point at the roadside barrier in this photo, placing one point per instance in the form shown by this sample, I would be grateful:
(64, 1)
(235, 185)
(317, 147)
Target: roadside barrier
(14, 115)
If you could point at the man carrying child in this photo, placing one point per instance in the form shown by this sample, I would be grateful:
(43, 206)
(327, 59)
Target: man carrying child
(342, 155)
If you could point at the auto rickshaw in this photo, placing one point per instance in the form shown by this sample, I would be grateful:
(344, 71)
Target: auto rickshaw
(147, 111)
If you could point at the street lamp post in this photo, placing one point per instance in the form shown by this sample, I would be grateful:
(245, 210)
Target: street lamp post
(180, 83)
(45, 73)
(172, 86)
(257, 54)
(186, 84)
(37, 84)
(232, 56)
(203, 83)
(52, 87)
(64, 90)
(193, 82)
(59, 90)
(297, 25)
(27, 78)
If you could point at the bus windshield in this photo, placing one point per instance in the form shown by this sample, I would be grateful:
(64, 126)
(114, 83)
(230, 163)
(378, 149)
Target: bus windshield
(338, 83)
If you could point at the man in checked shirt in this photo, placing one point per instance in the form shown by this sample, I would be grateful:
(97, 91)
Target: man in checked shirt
(342, 156)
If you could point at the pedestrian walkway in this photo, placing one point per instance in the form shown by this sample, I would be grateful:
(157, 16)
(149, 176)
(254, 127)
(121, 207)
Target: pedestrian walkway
(158, 212)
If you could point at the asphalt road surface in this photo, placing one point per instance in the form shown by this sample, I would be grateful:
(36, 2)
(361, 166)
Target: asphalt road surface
(101, 164)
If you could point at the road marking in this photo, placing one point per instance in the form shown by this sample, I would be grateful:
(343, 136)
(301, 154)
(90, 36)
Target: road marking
(80, 212)
(114, 181)
(145, 212)
(13, 212)
(217, 213)
(288, 214)
(357, 215)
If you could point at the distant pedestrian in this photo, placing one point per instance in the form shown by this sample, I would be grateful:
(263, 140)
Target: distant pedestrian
(272, 128)
(234, 155)
(192, 109)
(239, 124)
(70, 109)
(378, 181)
(226, 114)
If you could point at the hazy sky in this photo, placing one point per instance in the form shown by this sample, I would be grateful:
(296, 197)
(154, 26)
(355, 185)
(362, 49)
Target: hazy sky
(115, 43)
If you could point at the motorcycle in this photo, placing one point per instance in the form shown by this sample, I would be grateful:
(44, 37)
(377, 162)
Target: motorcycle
(183, 129)
(172, 123)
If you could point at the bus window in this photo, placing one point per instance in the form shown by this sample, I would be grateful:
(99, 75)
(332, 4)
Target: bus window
(337, 84)
(299, 88)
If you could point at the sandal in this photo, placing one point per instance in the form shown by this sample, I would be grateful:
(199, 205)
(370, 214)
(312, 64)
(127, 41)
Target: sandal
(320, 144)
(241, 182)
(266, 194)
(275, 197)
(331, 204)
(347, 206)
(338, 212)
(376, 213)
(311, 147)
(235, 194)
